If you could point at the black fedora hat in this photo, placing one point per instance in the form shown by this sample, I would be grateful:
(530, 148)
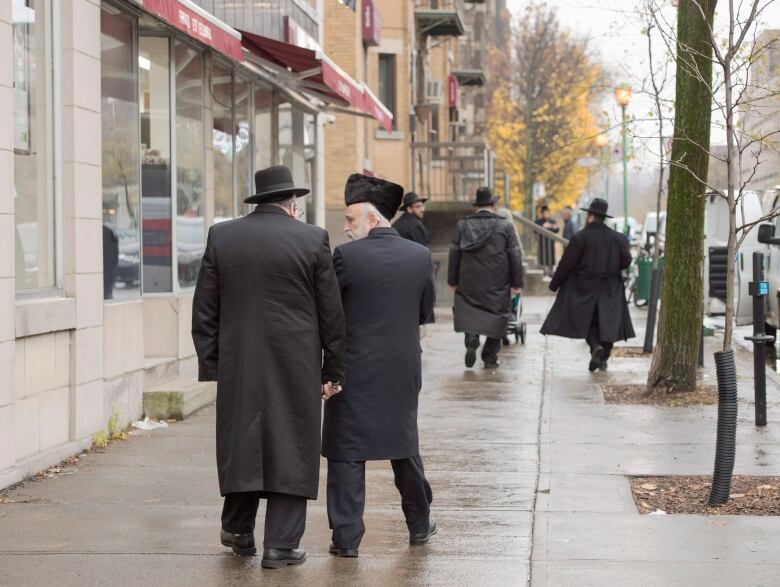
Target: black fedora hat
(484, 197)
(598, 207)
(274, 184)
(411, 198)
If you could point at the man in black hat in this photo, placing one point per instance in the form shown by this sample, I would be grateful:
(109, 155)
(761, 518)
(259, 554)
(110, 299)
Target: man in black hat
(268, 327)
(485, 269)
(591, 301)
(387, 290)
(410, 225)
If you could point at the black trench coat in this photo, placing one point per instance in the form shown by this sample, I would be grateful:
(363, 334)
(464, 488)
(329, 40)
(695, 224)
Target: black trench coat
(387, 290)
(412, 228)
(588, 279)
(266, 307)
(485, 262)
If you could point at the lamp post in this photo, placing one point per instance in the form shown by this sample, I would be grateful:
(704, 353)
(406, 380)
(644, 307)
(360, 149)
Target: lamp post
(602, 142)
(623, 97)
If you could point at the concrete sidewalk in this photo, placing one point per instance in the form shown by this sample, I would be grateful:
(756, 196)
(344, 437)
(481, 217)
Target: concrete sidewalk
(146, 511)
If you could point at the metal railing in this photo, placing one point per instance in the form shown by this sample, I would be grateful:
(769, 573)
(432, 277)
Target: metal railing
(451, 171)
(539, 244)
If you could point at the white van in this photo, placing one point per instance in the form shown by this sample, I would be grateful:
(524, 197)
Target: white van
(716, 234)
(652, 231)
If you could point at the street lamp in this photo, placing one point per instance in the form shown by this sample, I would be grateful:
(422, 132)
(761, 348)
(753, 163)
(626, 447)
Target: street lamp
(602, 142)
(623, 97)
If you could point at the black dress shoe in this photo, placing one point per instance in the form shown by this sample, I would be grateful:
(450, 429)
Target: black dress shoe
(276, 558)
(345, 552)
(471, 352)
(242, 544)
(421, 538)
(596, 356)
(493, 365)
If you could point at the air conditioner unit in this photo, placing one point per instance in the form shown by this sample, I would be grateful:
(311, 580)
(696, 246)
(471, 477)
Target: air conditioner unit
(433, 92)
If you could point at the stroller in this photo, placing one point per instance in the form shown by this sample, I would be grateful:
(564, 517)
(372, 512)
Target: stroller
(516, 326)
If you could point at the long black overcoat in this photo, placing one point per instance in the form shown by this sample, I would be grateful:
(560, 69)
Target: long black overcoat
(589, 279)
(266, 310)
(387, 290)
(485, 262)
(412, 228)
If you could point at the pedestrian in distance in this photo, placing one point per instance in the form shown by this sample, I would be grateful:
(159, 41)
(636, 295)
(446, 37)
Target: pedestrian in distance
(485, 270)
(591, 302)
(268, 327)
(410, 225)
(569, 226)
(547, 245)
(387, 291)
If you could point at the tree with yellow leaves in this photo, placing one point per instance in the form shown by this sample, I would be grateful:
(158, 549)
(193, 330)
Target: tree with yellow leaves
(540, 121)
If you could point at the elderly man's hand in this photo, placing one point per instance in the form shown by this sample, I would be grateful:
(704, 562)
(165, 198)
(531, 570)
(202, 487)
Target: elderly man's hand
(330, 389)
(516, 291)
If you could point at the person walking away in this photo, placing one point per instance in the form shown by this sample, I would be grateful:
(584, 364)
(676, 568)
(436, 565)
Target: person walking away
(569, 226)
(485, 270)
(387, 290)
(591, 302)
(410, 225)
(268, 327)
(546, 245)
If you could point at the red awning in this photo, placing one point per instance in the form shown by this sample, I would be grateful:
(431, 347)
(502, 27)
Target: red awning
(319, 74)
(191, 19)
(315, 71)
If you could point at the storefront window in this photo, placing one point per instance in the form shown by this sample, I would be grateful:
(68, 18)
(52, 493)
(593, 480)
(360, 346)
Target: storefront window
(263, 143)
(154, 78)
(242, 139)
(190, 229)
(291, 147)
(222, 137)
(310, 164)
(121, 152)
(33, 196)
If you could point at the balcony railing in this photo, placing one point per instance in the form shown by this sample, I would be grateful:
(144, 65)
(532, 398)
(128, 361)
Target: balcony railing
(451, 171)
(470, 65)
(439, 18)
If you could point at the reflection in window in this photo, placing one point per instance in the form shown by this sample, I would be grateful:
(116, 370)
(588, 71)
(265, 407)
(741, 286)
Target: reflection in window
(310, 164)
(154, 74)
(190, 230)
(222, 136)
(292, 151)
(33, 202)
(263, 143)
(242, 142)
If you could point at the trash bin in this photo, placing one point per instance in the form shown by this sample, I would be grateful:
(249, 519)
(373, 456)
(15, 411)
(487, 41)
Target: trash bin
(645, 277)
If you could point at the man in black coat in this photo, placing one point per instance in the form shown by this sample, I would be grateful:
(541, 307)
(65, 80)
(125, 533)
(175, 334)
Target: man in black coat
(266, 310)
(485, 269)
(410, 225)
(387, 291)
(591, 301)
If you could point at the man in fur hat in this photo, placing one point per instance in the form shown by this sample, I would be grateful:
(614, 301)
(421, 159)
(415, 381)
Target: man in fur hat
(387, 291)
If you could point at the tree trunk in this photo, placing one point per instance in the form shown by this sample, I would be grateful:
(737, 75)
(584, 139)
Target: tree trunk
(675, 359)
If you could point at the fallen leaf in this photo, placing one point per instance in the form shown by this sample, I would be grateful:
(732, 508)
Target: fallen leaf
(649, 486)
(737, 495)
(766, 487)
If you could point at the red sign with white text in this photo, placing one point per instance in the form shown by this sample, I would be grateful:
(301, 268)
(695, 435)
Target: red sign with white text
(187, 20)
(452, 91)
(371, 24)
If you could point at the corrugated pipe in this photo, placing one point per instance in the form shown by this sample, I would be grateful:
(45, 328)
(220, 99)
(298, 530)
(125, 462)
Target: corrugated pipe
(727, 427)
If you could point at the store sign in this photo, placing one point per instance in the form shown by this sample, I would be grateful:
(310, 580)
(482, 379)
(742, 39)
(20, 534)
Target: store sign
(185, 16)
(452, 91)
(371, 24)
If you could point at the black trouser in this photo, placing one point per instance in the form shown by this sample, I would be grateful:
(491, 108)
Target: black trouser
(594, 336)
(347, 498)
(285, 517)
(489, 350)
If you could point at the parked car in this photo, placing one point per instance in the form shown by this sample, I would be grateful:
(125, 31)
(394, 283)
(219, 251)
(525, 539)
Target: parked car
(716, 261)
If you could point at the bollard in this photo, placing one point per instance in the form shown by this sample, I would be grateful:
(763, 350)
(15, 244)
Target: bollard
(758, 288)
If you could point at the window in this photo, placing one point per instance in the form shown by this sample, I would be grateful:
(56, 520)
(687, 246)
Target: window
(221, 85)
(434, 136)
(32, 111)
(387, 83)
(242, 138)
(190, 228)
(121, 157)
(310, 164)
(263, 143)
(155, 109)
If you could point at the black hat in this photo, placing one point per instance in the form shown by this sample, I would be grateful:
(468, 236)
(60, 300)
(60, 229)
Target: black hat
(274, 184)
(484, 197)
(383, 194)
(412, 198)
(598, 207)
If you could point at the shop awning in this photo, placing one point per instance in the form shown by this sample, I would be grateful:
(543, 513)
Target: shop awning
(318, 74)
(191, 19)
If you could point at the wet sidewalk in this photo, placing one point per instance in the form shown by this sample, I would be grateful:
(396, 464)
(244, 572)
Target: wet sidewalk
(145, 511)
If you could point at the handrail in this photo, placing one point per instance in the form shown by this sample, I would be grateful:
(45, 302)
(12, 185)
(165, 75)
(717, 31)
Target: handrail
(538, 229)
